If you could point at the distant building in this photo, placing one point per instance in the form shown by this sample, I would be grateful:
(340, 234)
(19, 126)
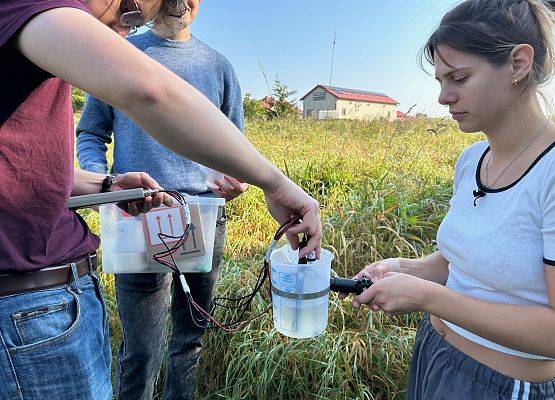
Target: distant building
(334, 102)
(402, 116)
(268, 103)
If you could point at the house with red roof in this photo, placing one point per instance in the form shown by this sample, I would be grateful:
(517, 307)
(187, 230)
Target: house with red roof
(335, 102)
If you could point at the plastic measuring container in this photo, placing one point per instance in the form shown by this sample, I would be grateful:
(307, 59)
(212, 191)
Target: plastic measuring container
(300, 293)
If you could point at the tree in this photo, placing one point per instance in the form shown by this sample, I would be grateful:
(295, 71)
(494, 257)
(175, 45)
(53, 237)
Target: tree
(253, 108)
(284, 105)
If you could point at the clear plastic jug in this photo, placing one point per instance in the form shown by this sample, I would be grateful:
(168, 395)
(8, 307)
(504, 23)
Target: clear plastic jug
(300, 293)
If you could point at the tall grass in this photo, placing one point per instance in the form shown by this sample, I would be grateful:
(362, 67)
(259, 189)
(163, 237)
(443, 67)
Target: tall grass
(383, 188)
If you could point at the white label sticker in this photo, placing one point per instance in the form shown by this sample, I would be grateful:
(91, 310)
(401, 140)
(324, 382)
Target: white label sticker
(166, 220)
(288, 282)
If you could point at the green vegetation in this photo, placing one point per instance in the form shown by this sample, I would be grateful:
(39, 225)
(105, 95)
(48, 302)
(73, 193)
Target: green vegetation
(253, 109)
(279, 105)
(78, 99)
(384, 188)
(285, 105)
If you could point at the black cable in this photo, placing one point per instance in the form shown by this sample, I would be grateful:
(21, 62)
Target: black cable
(200, 317)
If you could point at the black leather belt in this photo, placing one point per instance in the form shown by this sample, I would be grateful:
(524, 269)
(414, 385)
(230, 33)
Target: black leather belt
(47, 277)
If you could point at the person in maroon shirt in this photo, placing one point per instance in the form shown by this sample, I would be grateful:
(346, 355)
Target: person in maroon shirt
(53, 328)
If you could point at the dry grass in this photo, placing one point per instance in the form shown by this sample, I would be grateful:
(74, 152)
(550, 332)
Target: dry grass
(384, 188)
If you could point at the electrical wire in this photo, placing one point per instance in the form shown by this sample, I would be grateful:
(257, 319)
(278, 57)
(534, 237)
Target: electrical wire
(200, 317)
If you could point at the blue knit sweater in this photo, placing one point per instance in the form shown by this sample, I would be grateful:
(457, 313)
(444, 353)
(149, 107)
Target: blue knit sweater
(134, 150)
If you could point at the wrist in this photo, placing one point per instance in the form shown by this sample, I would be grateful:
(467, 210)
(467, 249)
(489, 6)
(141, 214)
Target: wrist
(273, 181)
(407, 265)
(430, 294)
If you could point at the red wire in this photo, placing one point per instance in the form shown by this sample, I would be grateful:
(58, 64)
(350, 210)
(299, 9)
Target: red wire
(280, 232)
(170, 251)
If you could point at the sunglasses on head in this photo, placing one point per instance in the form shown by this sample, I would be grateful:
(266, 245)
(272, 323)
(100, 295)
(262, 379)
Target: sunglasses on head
(131, 15)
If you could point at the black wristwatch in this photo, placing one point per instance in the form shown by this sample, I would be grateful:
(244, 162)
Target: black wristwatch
(107, 183)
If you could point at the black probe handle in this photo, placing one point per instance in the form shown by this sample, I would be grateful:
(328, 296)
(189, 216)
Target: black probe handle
(302, 244)
(344, 285)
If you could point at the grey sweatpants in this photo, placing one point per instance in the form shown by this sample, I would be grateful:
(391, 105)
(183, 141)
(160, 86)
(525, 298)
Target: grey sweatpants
(439, 371)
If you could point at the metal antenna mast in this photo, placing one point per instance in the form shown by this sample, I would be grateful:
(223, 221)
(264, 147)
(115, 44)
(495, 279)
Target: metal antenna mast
(331, 71)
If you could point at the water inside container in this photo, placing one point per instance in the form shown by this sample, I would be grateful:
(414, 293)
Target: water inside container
(296, 321)
(300, 293)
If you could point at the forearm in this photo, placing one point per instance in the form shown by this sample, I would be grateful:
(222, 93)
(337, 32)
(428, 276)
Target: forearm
(432, 268)
(529, 329)
(85, 182)
(172, 111)
(94, 133)
(91, 153)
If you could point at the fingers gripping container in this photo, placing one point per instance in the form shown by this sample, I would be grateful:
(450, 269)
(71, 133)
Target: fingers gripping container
(124, 246)
(300, 293)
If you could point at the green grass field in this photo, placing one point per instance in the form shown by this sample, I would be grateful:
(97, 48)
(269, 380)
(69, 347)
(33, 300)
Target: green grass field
(383, 189)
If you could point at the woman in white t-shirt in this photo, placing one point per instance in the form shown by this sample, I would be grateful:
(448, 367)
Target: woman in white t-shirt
(489, 292)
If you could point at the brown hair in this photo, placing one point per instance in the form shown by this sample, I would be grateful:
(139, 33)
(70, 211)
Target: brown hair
(492, 28)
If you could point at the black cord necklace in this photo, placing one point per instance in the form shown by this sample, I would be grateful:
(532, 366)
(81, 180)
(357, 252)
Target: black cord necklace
(480, 192)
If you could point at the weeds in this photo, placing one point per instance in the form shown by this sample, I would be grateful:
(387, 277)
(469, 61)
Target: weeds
(384, 188)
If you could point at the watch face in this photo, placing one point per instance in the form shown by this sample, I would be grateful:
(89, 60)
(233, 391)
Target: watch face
(107, 183)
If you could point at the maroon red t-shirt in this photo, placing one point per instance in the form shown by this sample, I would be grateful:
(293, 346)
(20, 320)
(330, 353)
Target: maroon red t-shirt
(36, 155)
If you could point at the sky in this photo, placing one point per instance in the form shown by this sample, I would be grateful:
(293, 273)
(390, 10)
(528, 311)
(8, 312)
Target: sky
(376, 47)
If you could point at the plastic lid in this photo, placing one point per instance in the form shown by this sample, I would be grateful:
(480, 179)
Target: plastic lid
(205, 201)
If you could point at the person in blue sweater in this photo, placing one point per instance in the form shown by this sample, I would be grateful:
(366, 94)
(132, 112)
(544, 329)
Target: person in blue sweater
(143, 298)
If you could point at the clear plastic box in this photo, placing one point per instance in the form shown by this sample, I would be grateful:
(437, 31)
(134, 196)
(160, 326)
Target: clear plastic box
(124, 244)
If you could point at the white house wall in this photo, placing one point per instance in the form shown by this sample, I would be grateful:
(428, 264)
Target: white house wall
(350, 109)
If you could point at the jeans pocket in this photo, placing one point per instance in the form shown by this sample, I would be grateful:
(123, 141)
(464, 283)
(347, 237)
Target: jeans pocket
(65, 344)
(47, 321)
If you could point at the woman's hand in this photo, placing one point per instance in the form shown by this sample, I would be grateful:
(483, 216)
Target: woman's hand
(376, 271)
(133, 180)
(396, 293)
(229, 188)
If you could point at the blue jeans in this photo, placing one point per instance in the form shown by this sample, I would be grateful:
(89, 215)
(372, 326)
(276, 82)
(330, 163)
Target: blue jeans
(143, 307)
(54, 344)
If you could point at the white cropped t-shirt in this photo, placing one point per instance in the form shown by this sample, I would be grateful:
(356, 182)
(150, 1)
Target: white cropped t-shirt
(497, 244)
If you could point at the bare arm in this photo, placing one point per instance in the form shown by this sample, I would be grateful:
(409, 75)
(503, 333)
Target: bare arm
(431, 268)
(74, 46)
(85, 182)
(100, 62)
(525, 328)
